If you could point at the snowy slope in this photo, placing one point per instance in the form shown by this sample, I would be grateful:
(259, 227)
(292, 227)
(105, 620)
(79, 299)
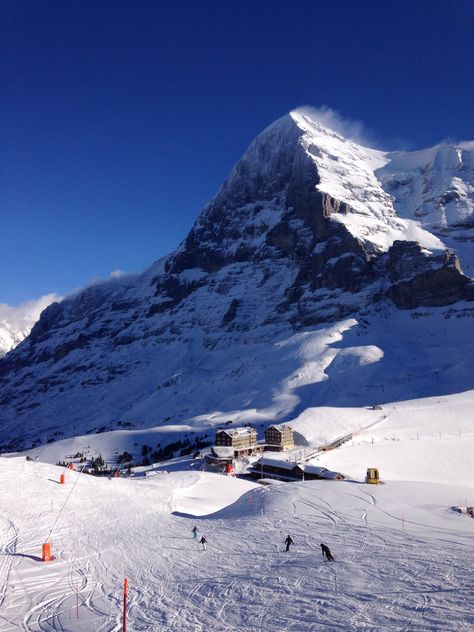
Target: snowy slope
(424, 440)
(403, 558)
(324, 381)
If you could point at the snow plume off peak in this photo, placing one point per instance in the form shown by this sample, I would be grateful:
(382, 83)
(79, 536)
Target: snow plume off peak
(332, 119)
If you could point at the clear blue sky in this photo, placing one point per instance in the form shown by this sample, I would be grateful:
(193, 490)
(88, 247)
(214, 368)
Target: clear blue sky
(120, 119)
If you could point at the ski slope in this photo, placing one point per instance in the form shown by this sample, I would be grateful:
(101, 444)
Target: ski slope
(424, 440)
(404, 560)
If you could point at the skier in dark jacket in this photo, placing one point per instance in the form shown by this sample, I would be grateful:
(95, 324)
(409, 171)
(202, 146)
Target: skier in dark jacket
(326, 552)
(194, 531)
(288, 541)
(203, 541)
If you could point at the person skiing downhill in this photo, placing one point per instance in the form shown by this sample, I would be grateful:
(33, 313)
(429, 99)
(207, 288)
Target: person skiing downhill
(326, 552)
(203, 541)
(194, 532)
(288, 541)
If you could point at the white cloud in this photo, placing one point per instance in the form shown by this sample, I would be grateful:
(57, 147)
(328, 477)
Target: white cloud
(27, 313)
(16, 321)
(117, 274)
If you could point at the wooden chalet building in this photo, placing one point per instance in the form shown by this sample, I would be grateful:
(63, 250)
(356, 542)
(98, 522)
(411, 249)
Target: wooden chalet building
(243, 441)
(279, 438)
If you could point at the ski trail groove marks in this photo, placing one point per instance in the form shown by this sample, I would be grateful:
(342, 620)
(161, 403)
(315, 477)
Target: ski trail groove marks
(8, 548)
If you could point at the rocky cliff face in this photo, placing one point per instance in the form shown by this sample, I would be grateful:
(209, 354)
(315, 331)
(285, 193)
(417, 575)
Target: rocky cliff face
(301, 233)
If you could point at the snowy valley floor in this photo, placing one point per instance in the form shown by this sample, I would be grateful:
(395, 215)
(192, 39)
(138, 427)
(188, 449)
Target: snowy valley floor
(390, 574)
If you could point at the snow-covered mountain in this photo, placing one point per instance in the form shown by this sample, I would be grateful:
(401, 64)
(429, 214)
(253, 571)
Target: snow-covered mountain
(436, 187)
(300, 284)
(16, 321)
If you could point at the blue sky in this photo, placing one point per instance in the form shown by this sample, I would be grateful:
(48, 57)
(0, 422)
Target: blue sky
(119, 119)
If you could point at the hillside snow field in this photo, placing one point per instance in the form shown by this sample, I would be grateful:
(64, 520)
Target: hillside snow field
(424, 440)
(333, 374)
(428, 440)
(404, 558)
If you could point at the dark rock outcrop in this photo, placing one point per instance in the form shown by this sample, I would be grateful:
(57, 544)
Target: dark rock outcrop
(420, 279)
(231, 312)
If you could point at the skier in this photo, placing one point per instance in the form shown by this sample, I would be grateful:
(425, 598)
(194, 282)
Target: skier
(195, 533)
(288, 541)
(203, 541)
(326, 552)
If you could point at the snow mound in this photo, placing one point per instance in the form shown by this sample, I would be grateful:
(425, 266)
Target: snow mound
(352, 358)
(209, 494)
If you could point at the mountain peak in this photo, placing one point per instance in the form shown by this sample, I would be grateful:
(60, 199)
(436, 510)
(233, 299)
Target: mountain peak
(297, 170)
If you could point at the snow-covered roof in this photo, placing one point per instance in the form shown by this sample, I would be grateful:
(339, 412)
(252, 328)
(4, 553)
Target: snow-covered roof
(318, 470)
(287, 465)
(239, 431)
(280, 427)
(311, 469)
(331, 475)
(222, 452)
(291, 465)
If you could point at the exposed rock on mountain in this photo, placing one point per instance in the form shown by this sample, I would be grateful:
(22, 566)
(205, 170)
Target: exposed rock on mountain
(430, 281)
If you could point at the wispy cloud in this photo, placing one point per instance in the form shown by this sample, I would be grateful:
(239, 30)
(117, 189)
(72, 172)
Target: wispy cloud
(356, 130)
(117, 274)
(349, 128)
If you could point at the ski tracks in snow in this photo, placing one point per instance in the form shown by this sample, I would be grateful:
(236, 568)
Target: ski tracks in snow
(384, 577)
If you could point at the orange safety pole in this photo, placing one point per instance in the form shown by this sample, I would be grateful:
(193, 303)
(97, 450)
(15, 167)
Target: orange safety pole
(125, 590)
(46, 557)
(71, 466)
(62, 479)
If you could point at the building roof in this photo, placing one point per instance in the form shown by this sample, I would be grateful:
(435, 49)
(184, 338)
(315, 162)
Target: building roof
(285, 465)
(279, 427)
(222, 452)
(319, 471)
(238, 431)
(322, 472)
(331, 475)
(311, 469)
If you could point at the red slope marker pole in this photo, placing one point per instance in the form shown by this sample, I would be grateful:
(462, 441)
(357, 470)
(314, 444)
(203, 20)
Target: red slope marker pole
(125, 589)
